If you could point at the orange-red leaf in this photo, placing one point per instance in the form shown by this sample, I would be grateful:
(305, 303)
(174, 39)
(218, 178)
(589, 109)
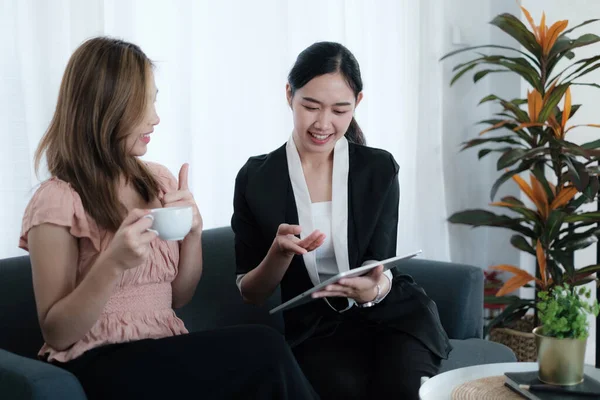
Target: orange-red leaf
(565, 196)
(543, 31)
(495, 126)
(541, 258)
(534, 105)
(513, 284)
(566, 108)
(590, 125)
(553, 33)
(531, 23)
(527, 190)
(527, 125)
(503, 204)
(541, 199)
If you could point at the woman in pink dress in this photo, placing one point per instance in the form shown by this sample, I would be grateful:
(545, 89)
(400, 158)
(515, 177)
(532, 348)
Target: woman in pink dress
(105, 285)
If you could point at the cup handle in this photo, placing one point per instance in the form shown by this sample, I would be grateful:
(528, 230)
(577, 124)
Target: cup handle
(152, 218)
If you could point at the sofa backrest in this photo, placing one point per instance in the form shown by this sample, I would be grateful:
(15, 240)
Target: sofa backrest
(216, 303)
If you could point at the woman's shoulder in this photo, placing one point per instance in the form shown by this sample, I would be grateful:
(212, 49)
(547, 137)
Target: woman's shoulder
(262, 162)
(373, 157)
(56, 202)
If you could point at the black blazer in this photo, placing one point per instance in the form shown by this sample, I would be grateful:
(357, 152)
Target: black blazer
(264, 199)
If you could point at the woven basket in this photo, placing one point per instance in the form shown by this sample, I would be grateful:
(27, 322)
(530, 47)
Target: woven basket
(518, 336)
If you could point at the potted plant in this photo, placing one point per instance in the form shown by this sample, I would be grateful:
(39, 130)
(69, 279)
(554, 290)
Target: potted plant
(533, 135)
(561, 339)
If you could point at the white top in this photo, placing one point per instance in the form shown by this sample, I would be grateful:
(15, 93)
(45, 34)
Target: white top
(326, 263)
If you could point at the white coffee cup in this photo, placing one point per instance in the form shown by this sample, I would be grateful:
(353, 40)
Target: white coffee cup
(172, 223)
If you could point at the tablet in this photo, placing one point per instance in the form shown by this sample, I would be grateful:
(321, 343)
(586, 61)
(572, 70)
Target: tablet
(306, 296)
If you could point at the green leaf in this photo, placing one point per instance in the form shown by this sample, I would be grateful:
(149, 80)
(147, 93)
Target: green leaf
(480, 74)
(587, 71)
(512, 312)
(519, 114)
(566, 260)
(564, 44)
(574, 108)
(461, 73)
(489, 46)
(484, 152)
(538, 172)
(478, 217)
(591, 191)
(552, 101)
(575, 149)
(593, 217)
(509, 158)
(521, 243)
(526, 164)
(553, 225)
(589, 21)
(591, 145)
(512, 156)
(515, 28)
(585, 84)
(519, 207)
(577, 173)
(499, 139)
(585, 62)
(590, 269)
(580, 244)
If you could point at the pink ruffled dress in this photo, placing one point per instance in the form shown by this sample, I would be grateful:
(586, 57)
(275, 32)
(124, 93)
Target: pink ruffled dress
(140, 307)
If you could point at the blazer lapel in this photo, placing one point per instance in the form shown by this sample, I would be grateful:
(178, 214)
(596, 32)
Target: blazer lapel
(339, 214)
(303, 206)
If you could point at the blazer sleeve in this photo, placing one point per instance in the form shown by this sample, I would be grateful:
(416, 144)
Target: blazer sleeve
(383, 243)
(249, 245)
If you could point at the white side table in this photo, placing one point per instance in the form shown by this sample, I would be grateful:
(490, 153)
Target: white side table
(440, 386)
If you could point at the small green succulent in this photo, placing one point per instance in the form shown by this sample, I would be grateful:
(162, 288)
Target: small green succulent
(563, 311)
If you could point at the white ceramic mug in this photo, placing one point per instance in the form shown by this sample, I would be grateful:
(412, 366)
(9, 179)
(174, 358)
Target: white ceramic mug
(172, 223)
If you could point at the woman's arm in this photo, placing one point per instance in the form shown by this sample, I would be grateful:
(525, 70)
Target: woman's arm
(263, 269)
(67, 311)
(189, 270)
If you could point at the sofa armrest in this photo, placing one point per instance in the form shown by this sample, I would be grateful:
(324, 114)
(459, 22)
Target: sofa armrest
(457, 289)
(23, 378)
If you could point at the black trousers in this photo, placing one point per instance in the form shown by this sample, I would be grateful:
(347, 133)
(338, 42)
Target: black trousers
(246, 362)
(361, 361)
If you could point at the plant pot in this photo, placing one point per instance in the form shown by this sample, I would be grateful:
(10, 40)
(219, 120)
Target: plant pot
(518, 337)
(560, 360)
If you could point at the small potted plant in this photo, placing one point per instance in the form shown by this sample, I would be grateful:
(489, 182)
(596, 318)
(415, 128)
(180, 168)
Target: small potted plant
(562, 335)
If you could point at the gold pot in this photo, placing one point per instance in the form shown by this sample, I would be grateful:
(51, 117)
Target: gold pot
(560, 360)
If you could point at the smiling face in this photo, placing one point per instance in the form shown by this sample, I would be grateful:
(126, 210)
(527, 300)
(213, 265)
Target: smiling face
(323, 110)
(138, 139)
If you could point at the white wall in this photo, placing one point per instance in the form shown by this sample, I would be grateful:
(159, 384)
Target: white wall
(468, 180)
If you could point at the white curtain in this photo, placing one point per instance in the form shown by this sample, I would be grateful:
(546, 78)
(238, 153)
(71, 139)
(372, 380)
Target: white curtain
(221, 69)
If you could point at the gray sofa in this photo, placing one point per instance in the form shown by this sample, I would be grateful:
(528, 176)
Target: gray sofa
(457, 290)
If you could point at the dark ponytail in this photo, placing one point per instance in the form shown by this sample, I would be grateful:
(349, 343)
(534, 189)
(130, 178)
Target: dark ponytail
(327, 58)
(354, 134)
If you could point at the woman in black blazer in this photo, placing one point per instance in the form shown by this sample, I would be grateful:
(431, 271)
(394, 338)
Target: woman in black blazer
(324, 203)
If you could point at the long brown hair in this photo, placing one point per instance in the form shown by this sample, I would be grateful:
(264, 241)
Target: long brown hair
(103, 95)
